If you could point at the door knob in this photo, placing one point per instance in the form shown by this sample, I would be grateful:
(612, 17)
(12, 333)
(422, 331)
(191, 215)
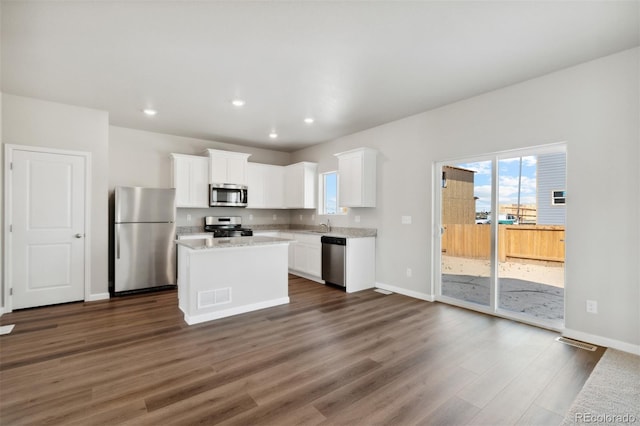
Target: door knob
(79, 235)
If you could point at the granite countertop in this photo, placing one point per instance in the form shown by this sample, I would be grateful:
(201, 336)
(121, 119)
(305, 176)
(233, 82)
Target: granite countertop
(315, 230)
(218, 243)
(343, 232)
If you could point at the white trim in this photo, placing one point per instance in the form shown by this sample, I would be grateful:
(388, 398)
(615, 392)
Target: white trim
(602, 341)
(307, 276)
(8, 181)
(97, 296)
(197, 319)
(405, 292)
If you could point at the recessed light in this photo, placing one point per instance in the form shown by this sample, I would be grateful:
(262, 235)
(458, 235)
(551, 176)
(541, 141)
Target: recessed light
(309, 120)
(273, 135)
(238, 102)
(150, 112)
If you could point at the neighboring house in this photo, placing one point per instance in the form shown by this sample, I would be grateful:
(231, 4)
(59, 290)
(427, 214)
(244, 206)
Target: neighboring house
(458, 201)
(551, 186)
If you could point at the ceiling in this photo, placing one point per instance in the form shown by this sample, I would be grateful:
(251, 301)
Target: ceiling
(349, 65)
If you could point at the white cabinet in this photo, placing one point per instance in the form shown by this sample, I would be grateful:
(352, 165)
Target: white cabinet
(190, 178)
(300, 185)
(306, 256)
(360, 264)
(357, 178)
(266, 186)
(227, 167)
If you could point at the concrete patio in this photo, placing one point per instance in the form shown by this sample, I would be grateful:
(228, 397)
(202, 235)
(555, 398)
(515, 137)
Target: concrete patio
(537, 300)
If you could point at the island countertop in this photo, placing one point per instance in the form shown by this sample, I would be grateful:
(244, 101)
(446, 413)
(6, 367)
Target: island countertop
(219, 243)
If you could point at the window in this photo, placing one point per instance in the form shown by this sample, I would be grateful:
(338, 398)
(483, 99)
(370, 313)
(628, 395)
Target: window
(329, 193)
(558, 198)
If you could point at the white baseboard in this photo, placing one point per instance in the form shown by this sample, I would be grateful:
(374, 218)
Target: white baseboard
(209, 316)
(97, 296)
(405, 292)
(307, 276)
(602, 341)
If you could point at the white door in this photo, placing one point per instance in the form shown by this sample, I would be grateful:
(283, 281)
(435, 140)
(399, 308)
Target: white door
(47, 214)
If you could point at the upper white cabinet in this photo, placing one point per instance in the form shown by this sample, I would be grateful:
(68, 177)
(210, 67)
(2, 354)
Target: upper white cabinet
(300, 184)
(266, 186)
(357, 177)
(190, 178)
(227, 167)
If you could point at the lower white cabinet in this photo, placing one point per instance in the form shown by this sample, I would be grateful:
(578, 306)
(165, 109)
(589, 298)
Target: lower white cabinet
(305, 255)
(308, 259)
(361, 264)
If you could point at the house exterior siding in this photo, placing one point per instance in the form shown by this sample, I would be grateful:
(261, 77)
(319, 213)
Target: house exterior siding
(458, 201)
(551, 176)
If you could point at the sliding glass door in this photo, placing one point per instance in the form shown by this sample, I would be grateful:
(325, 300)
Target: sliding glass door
(466, 233)
(502, 222)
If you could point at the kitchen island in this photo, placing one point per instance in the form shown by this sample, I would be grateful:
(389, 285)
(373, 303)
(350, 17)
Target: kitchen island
(221, 277)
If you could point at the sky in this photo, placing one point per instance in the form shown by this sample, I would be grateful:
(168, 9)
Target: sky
(331, 185)
(508, 170)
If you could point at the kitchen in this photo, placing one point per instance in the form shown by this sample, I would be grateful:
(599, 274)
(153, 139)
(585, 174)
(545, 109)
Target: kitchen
(320, 254)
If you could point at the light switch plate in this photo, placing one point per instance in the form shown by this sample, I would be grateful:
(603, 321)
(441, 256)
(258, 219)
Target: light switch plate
(406, 220)
(357, 219)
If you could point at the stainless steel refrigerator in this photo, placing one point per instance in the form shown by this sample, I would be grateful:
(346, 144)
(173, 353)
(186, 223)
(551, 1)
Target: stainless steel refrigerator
(144, 239)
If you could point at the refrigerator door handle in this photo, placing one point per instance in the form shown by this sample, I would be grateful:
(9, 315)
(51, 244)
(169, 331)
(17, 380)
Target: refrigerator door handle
(117, 242)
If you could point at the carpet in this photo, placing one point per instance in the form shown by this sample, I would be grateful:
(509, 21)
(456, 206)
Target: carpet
(611, 394)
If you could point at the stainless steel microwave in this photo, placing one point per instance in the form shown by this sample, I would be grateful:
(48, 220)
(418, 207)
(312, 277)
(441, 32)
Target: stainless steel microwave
(227, 195)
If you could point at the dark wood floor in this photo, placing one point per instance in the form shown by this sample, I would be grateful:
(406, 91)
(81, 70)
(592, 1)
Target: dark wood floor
(326, 358)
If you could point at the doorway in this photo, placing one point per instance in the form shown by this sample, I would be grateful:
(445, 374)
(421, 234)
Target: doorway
(503, 221)
(46, 218)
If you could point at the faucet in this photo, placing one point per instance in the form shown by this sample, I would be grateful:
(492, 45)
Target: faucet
(325, 227)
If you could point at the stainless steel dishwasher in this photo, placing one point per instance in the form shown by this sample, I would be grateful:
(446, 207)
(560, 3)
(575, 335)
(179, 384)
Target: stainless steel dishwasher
(334, 258)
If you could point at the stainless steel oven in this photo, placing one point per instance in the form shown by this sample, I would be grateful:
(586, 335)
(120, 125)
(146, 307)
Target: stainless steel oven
(227, 195)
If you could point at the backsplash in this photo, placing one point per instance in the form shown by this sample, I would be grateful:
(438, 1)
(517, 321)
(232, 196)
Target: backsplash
(250, 217)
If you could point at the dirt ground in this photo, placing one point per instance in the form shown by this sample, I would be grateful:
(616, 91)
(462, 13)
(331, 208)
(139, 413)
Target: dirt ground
(538, 273)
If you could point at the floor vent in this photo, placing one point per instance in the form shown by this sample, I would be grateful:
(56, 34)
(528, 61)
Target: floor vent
(6, 329)
(379, 290)
(215, 297)
(577, 344)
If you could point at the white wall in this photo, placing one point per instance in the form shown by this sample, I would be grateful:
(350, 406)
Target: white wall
(141, 158)
(594, 108)
(34, 122)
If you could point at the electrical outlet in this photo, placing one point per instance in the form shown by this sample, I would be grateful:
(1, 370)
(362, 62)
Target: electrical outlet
(406, 220)
(275, 216)
(250, 217)
(188, 218)
(357, 219)
(301, 218)
(313, 217)
(409, 273)
(592, 306)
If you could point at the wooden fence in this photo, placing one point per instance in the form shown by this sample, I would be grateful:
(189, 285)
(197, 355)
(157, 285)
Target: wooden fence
(534, 242)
